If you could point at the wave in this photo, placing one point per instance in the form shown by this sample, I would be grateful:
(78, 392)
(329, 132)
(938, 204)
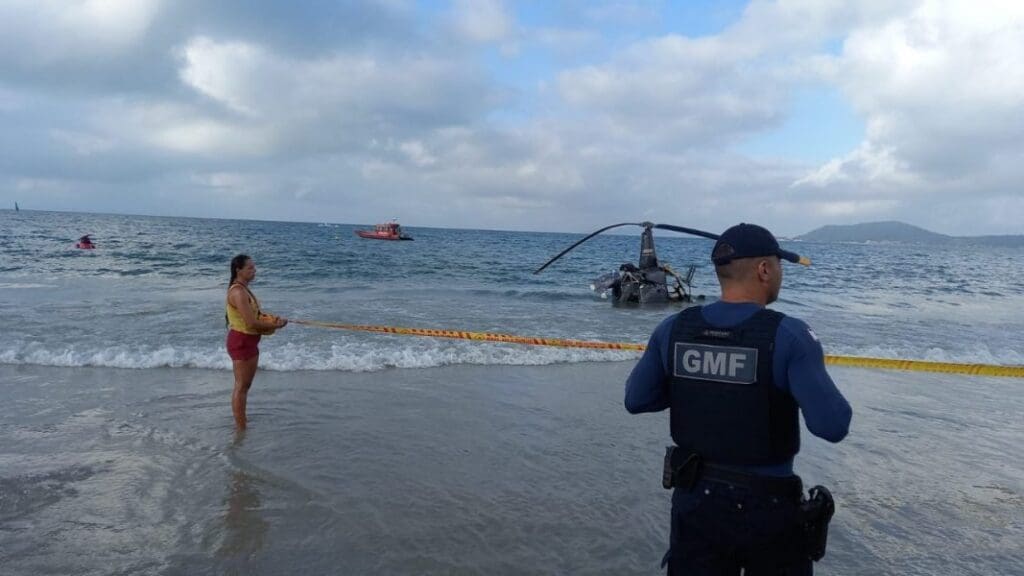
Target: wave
(412, 354)
(978, 353)
(293, 357)
(24, 286)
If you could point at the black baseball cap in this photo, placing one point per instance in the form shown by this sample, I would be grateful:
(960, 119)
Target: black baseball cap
(750, 241)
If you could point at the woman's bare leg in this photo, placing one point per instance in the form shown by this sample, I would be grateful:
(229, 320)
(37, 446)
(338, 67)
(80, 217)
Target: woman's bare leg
(245, 371)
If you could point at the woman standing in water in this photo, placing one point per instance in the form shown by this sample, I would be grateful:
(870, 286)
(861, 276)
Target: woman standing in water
(246, 323)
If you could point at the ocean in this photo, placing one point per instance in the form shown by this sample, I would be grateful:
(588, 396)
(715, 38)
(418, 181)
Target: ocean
(377, 453)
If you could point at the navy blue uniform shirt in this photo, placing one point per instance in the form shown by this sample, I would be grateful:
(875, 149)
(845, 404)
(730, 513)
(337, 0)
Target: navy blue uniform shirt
(799, 368)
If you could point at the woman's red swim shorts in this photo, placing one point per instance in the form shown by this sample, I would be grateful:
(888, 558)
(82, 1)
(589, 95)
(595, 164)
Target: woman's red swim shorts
(242, 346)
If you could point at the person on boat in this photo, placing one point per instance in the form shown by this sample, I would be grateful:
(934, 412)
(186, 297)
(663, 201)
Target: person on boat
(247, 323)
(85, 242)
(734, 375)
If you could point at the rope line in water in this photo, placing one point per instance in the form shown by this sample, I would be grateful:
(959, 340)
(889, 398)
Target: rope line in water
(484, 336)
(927, 366)
(856, 361)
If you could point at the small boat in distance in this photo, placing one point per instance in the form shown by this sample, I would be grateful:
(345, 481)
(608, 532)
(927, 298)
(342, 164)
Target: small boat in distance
(85, 243)
(389, 231)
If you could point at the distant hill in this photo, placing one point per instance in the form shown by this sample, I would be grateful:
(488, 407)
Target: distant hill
(873, 232)
(901, 232)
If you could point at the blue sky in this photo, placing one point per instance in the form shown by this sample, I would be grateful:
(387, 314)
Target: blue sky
(818, 125)
(518, 115)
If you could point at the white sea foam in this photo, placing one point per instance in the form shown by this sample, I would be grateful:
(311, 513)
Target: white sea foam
(369, 357)
(292, 357)
(24, 285)
(976, 353)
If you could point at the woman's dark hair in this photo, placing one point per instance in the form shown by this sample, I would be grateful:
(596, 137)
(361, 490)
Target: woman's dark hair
(237, 263)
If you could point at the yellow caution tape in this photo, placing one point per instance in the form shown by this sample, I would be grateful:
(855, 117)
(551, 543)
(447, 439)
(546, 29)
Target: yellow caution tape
(857, 361)
(485, 336)
(926, 366)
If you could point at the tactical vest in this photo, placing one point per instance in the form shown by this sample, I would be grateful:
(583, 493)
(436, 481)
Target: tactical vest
(725, 405)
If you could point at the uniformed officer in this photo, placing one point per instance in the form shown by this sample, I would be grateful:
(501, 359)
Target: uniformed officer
(734, 375)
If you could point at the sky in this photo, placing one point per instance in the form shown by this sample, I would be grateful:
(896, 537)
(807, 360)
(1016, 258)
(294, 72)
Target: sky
(543, 116)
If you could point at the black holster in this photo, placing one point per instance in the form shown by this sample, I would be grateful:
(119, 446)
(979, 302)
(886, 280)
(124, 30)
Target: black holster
(680, 472)
(815, 513)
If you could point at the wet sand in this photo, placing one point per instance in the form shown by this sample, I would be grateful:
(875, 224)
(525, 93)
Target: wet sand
(463, 470)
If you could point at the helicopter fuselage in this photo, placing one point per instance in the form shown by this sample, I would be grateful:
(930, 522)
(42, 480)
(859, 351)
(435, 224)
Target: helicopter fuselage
(649, 282)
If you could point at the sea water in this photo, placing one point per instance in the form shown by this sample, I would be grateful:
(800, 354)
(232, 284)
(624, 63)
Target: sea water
(389, 454)
(152, 294)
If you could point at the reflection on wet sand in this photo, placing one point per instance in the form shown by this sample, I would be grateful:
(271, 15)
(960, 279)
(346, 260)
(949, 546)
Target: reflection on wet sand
(244, 526)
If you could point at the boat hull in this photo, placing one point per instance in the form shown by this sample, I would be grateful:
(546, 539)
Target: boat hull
(369, 234)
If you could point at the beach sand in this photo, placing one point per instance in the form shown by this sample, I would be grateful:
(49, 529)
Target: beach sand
(464, 470)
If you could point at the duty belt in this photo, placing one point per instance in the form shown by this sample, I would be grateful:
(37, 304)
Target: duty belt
(683, 470)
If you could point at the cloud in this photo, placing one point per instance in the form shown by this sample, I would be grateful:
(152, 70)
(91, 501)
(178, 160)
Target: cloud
(83, 144)
(677, 91)
(941, 90)
(400, 92)
(715, 90)
(43, 32)
(618, 12)
(344, 111)
(482, 21)
(866, 166)
(418, 153)
(222, 70)
(564, 40)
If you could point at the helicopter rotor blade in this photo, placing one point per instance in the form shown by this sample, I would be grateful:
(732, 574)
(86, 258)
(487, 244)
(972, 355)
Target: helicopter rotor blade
(588, 237)
(692, 231)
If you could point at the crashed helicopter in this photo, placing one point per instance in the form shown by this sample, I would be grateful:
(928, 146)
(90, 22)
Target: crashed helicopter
(648, 282)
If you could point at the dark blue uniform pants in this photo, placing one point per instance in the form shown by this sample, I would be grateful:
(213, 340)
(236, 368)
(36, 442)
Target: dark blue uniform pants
(719, 529)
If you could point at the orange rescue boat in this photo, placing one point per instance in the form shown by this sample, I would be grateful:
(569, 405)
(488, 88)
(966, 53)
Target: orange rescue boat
(388, 231)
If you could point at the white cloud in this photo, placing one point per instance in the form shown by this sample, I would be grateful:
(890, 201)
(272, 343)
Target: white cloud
(408, 113)
(223, 71)
(231, 181)
(941, 88)
(184, 130)
(119, 21)
(418, 153)
(677, 92)
(564, 39)
(865, 166)
(482, 21)
(43, 185)
(47, 31)
(352, 94)
(83, 144)
(197, 136)
(848, 208)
